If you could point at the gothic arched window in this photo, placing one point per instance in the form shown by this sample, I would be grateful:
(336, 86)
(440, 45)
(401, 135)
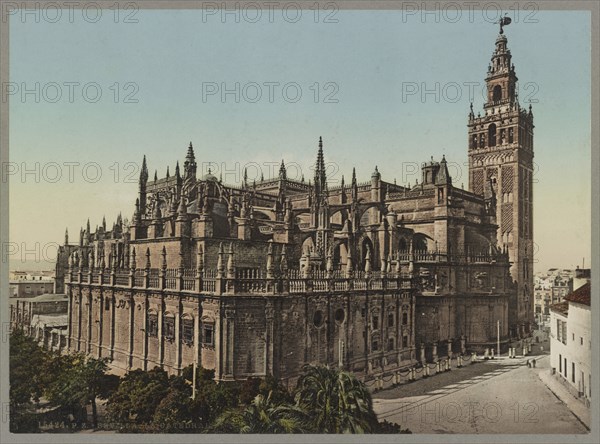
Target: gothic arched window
(492, 135)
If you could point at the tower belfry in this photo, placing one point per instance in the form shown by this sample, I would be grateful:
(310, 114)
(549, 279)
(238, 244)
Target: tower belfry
(501, 163)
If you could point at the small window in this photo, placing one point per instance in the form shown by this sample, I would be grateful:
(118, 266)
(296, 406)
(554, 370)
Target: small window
(318, 318)
(374, 345)
(404, 341)
(390, 344)
(169, 328)
(106, 304)
(375, 322)
(152, 325)
(405, 318)
(492, 135)
(187, 331)
(208, 334)
(580, 340)
(559, 363)
(390, 319)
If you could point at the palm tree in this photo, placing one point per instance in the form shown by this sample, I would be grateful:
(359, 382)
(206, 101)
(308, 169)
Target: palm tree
(336, 401)
(263, 416)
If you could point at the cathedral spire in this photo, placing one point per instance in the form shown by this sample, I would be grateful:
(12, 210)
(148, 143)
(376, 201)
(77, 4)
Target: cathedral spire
(443, 176)
(282, 171)
(143, 182)
(144, 172)
(320, 176)
(354, 186)
(189, 166)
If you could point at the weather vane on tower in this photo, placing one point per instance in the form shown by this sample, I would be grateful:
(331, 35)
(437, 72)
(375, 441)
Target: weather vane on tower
(504, 21)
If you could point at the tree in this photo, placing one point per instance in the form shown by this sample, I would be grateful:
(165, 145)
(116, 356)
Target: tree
(335, 400)
(173, 413)
(249, 389)
(279, 393)
(134, 403)
(27, 359)
(213, 399)
(93, 374)
(75, 381)
(384, 427)
(263, 416)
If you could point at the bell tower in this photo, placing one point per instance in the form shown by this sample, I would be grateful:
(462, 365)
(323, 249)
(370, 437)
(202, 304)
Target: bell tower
(501, 158)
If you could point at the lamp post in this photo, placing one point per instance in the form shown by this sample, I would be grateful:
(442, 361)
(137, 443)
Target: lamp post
(194, 380)
(498, 337)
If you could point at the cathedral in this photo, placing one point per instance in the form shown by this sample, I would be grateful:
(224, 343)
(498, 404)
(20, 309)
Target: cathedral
(260, 278)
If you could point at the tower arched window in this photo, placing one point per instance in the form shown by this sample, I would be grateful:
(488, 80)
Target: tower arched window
(481, 140)
(497, 93)
(492, 135)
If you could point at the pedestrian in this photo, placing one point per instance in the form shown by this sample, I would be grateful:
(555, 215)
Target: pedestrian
(529, 363)
(533, 363)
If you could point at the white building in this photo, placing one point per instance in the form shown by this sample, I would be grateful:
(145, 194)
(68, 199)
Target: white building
(571, 341)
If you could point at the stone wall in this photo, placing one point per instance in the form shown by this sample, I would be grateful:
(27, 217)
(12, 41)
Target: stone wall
(243, 335)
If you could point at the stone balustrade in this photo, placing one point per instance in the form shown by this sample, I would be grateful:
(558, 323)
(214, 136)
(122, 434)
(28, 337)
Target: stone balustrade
(245, 281)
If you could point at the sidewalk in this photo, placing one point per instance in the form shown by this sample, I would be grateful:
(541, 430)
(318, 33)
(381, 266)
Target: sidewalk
(563, 393)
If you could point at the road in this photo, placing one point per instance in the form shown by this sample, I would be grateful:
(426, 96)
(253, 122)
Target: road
(499, 396)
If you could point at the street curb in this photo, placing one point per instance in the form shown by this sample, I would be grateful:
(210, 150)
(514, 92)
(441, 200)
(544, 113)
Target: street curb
(563, 401)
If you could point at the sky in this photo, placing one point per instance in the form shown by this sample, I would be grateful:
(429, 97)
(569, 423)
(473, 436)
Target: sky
(381, 88)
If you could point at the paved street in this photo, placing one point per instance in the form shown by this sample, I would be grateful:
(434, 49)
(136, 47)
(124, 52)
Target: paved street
(499, 396)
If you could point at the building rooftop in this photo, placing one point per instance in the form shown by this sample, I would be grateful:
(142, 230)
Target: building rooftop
(561, 307)
(580, 296)
(47, 297)
(48, 320)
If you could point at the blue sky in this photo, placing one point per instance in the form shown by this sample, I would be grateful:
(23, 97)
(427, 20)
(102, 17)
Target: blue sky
(366, 60)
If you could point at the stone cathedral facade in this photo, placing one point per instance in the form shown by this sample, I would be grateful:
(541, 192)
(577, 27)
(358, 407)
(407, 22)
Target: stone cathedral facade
(261, 278)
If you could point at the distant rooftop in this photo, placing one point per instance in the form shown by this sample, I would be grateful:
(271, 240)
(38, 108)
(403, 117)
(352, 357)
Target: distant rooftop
(581, 295)
(561, 307)
(47, 297)
(50, 320)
